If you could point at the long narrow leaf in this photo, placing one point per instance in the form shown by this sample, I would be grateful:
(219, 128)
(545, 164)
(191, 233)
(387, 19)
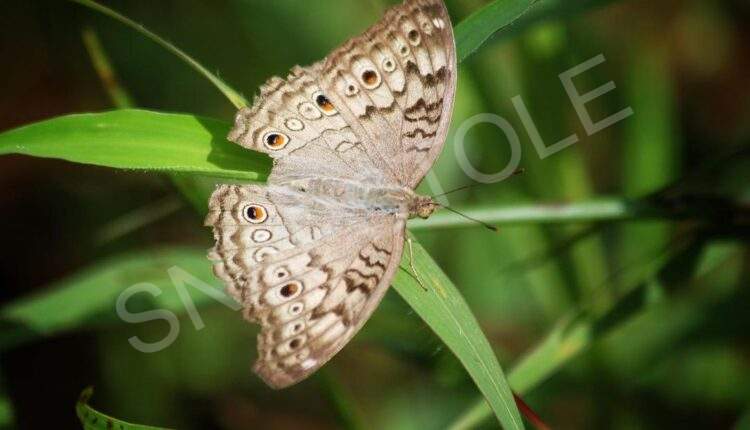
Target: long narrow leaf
(139, 140)
(91, 419)
(475, 30)
(88, 298)
(444, 309)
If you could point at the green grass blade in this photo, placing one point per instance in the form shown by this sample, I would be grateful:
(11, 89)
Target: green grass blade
(237, 100)
(86, 301)
(575, 333)
(139, 140)
(549, 10)
(474, 31)
(91, 419)
(444, 309)
(120, 98)
(646, 167)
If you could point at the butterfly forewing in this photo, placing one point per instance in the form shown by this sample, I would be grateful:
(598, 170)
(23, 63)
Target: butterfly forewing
(395, 85)
(311, 255)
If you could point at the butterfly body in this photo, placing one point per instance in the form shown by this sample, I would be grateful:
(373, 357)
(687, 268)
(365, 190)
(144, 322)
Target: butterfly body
(354, 200)
(311, 254)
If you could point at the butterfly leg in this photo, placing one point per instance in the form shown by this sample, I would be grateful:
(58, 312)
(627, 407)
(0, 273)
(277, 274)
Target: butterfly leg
(411, 264)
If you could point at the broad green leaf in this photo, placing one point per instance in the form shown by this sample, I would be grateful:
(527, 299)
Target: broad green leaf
(139, 140)
(91, 419)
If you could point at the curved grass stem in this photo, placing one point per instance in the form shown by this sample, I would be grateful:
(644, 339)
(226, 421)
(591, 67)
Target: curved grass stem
(237, 100)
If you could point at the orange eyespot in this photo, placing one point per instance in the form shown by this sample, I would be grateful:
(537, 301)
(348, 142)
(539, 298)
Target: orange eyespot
(290, 289)
(275, 140)
(369, 77)
(255, 214)
(324, 103)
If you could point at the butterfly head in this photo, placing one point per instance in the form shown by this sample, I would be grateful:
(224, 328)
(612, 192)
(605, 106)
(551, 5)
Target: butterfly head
(422, 207)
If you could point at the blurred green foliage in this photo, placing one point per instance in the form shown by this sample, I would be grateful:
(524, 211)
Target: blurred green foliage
(639, 324)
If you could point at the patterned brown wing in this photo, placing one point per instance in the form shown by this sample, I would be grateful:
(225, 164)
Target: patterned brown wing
(312, 267)
(311, 287)
(294, 122)
(346, 287)
(395, 86)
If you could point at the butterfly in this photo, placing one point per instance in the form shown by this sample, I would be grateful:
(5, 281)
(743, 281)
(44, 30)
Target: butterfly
(311, 254)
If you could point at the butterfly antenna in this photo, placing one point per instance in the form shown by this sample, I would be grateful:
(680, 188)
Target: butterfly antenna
(488, 226)
(466, 187)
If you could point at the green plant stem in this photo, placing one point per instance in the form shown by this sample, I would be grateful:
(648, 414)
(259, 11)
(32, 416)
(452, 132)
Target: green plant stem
(237, 100)
(599, 210)
(103, 67)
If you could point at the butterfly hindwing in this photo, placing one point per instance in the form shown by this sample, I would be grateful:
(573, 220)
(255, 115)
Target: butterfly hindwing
(347, 285)
(314, 291)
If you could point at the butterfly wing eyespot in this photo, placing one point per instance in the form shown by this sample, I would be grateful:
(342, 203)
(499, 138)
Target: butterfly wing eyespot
(296, 342)
(296, 308)
(324, 103)
(275, 140)
(290, 290)
(351, 90)
(370, 79)
(414, 37)
(389, 65)
(255, 214)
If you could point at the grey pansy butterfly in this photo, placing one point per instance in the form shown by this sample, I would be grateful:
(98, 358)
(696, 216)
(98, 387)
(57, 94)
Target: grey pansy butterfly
(311, 254)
